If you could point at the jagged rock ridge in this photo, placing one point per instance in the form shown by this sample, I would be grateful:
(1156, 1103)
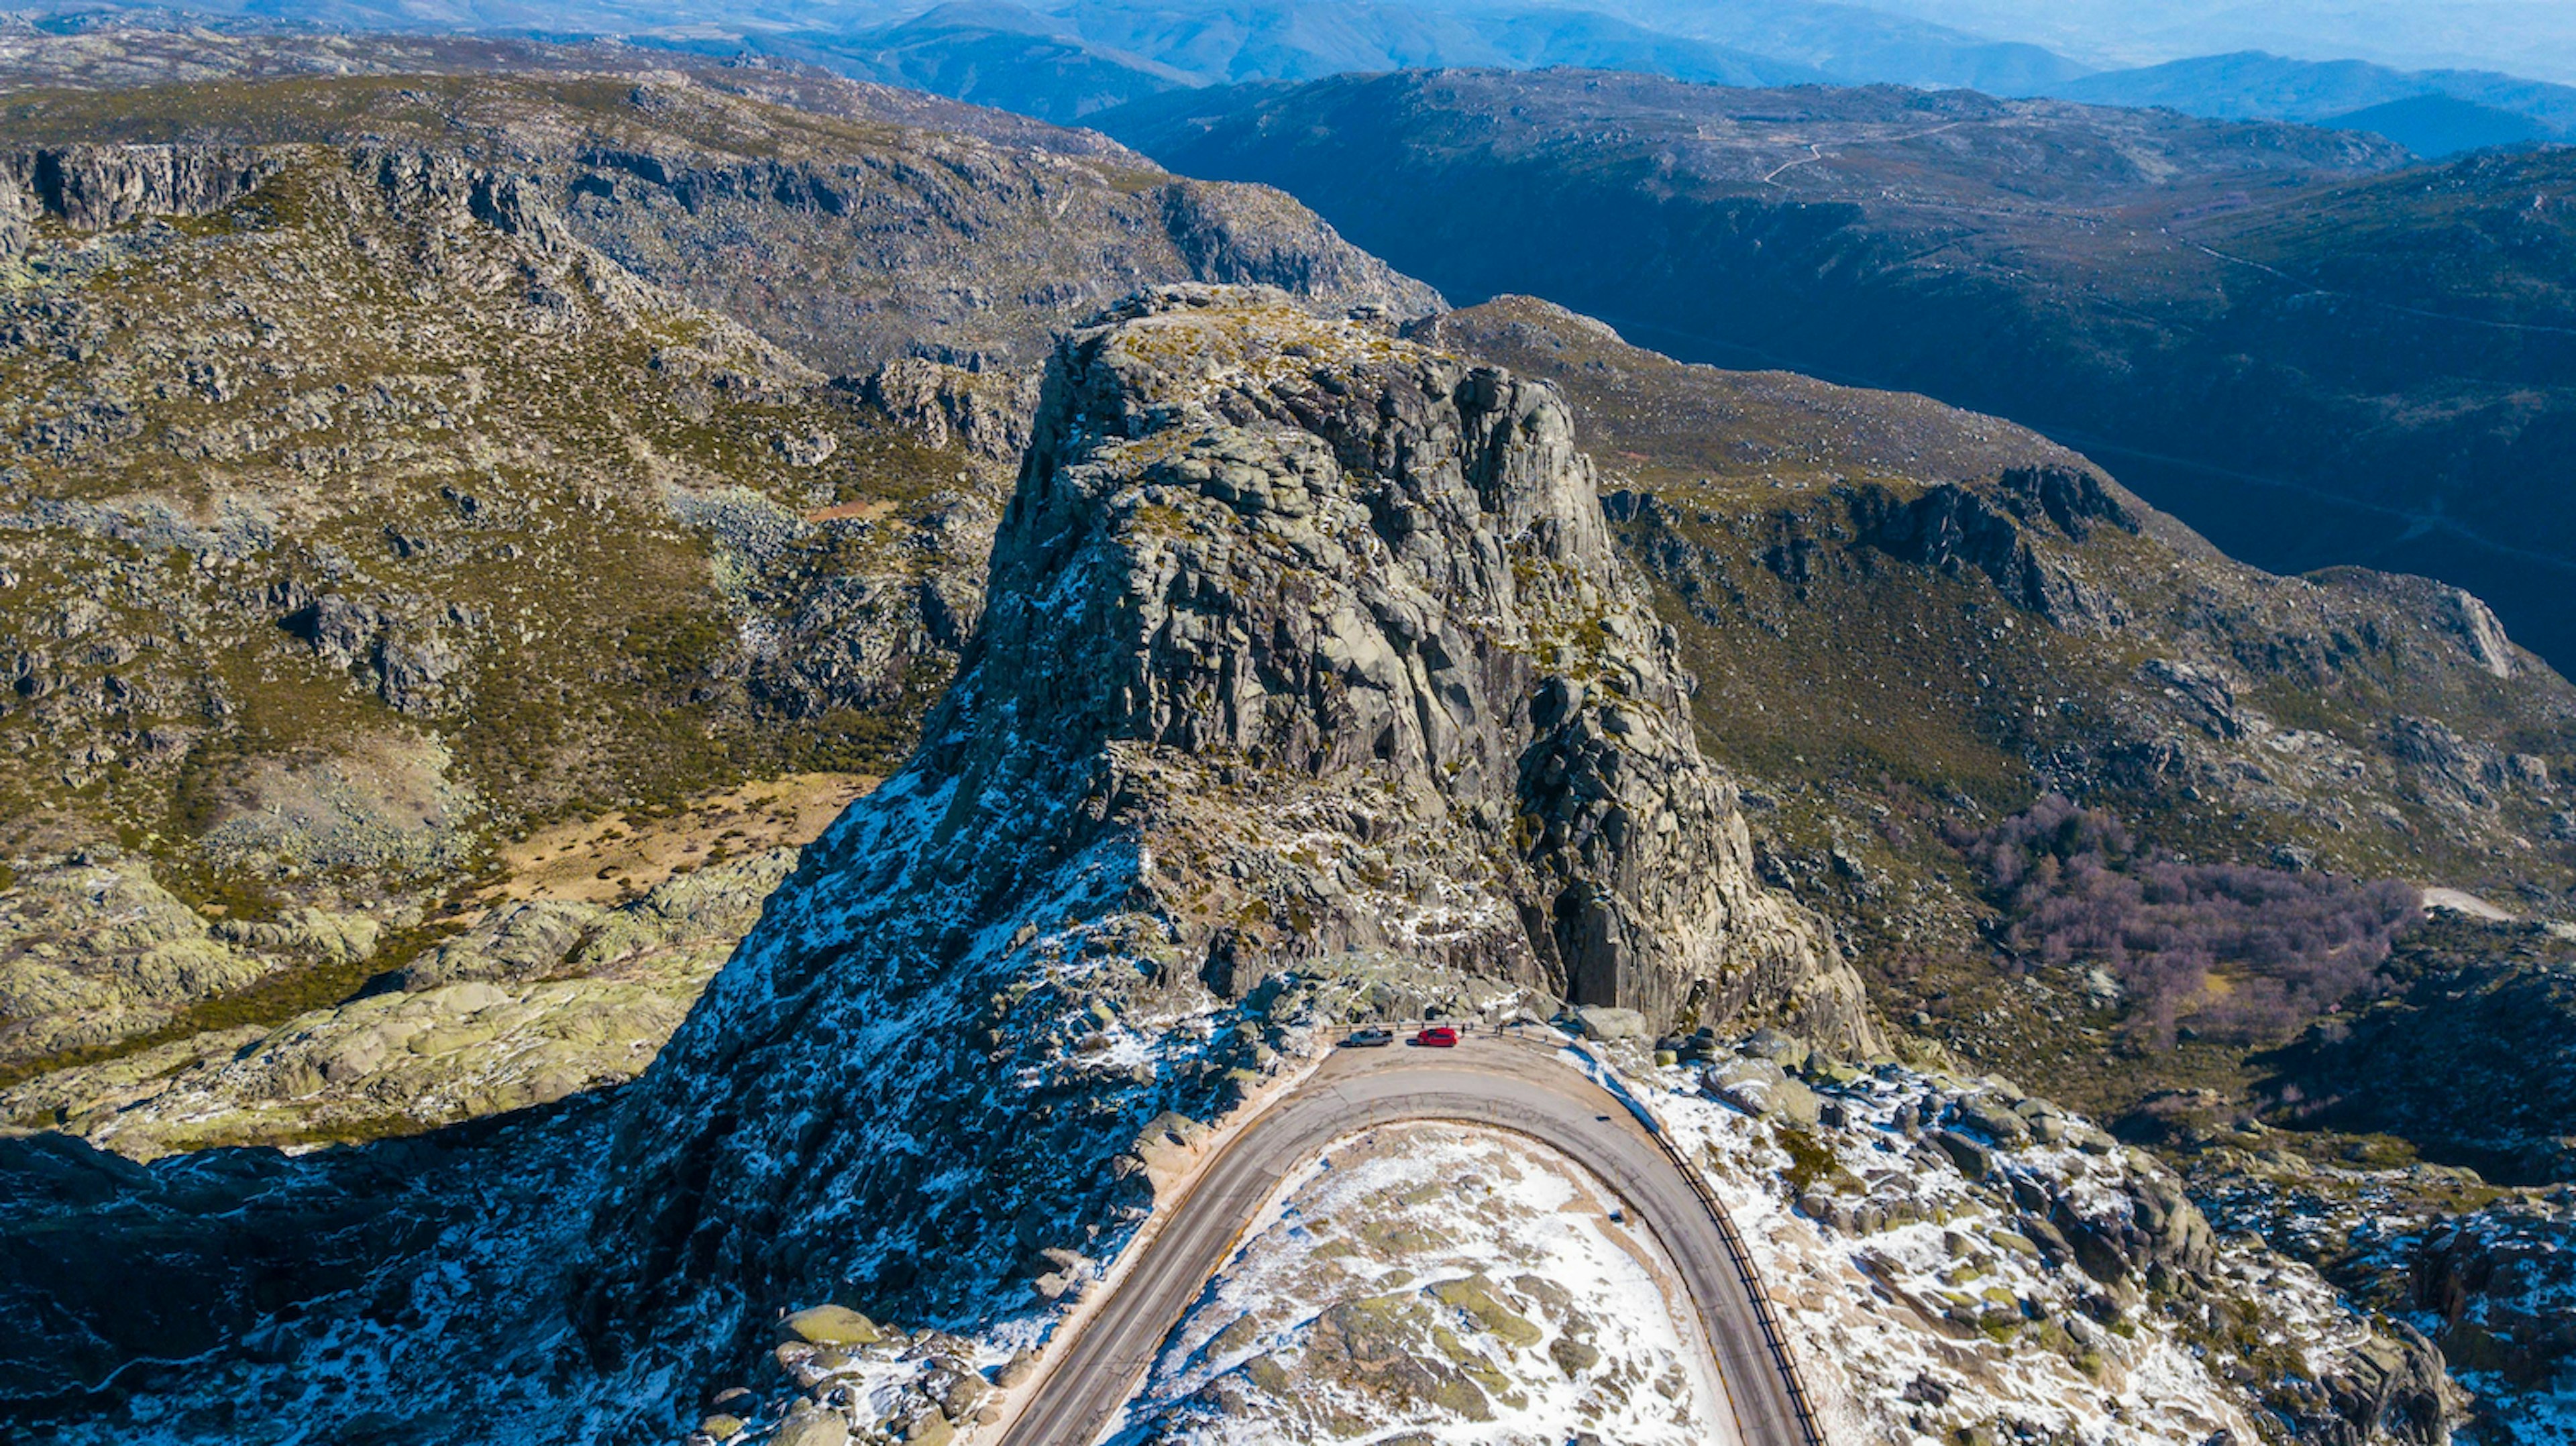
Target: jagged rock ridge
(838, 220)
(94, 187)
(1308, 663)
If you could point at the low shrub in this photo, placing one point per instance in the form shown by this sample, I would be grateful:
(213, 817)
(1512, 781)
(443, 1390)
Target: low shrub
(2231, 950)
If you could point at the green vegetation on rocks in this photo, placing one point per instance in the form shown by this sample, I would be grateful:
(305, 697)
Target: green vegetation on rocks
(381, 479)
(832, 1325)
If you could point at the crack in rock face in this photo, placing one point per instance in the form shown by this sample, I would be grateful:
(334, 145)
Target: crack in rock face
(1307, 650)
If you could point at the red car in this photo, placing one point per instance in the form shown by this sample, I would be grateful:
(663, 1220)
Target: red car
(1438, 1036)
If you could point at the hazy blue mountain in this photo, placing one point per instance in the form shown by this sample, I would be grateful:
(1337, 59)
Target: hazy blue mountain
(1860, 45)
(2527, 37)
(1076, 57)
(1600, 42)
(1304, 39)
(1063, 58)
(990, 52)
(2252, 85)
(1285, 39)
(2442, 125)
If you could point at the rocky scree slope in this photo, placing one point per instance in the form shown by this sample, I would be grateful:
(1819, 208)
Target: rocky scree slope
(358, 516)
(1308, 655)
(2468, 1056)
(2292, 339)
(1954, 1260)
(530, 1004)
(368, 517)
(2440, 1194)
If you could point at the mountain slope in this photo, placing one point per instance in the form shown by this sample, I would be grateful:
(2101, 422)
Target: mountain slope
(379, 543)
(118, 56)
(851, 238)
(2191, 302)
(1898, 612)
(1311, 689)
(2441, 125)
(1911, 627)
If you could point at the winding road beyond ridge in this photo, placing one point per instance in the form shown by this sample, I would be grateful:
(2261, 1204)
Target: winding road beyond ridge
(1503, 1083)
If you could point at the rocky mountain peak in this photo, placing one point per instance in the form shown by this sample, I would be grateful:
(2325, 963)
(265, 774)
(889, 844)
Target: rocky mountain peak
(1308, 688)
(1277, 565)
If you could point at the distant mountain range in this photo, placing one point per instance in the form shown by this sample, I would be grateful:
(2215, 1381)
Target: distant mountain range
(1104, 53)
(2530, 37)
(1096, 53)
(1062, 60)
(1859, 45)
(1099, 53)
(2430, 112)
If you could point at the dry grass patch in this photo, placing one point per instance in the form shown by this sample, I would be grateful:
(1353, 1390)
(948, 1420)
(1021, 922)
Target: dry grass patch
(617, 855)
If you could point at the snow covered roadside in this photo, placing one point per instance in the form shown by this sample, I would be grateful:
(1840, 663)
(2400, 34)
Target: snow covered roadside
(1951, 1261)
(1175, 1161)
(1444, 1284)
(1950, 1257)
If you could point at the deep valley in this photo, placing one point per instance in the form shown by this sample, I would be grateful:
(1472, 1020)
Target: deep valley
(2304, 346)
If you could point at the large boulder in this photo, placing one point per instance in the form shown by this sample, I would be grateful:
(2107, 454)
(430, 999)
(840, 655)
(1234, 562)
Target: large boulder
(1601, 1021)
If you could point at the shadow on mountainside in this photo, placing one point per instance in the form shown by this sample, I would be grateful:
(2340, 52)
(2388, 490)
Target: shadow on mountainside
(116, 1278)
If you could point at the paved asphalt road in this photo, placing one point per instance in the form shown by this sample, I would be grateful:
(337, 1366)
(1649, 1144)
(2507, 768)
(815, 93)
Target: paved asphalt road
(1508, 1084)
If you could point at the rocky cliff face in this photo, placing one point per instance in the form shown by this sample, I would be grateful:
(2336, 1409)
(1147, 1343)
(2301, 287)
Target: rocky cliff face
(94, 187)
(1309, 684)
(1387, 575)
(850, 224)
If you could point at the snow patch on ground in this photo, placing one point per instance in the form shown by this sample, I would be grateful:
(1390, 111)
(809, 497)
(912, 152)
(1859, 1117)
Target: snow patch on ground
(1456, 1284)
(1938, 1313)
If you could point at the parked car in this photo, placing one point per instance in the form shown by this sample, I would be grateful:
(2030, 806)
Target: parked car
(1438, 1036)
(1369, 1038)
